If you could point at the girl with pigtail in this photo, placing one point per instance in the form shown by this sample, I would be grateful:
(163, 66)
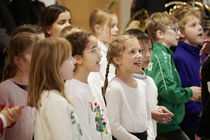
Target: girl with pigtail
(126, 98)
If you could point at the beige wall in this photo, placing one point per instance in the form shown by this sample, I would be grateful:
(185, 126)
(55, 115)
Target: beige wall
(81, 9)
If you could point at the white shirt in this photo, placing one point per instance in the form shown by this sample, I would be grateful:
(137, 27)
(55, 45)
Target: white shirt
(128, 109)
(152, 93)
(98, 78)
(86, 100)
(55, 119)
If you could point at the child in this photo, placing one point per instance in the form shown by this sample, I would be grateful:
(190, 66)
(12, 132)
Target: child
(88, 101)
(8, 116)
(51, 65)
(103, 24)
(53, 19)
(13, 89)
(159, 113)
(163, 30)
(126, 98)
(188, 62)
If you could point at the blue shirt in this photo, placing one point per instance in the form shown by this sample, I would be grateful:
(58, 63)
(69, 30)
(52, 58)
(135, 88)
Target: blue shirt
(187, 62)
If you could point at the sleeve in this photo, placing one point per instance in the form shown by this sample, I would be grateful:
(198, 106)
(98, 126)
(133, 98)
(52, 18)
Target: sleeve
(168, 82)
(114, 107)
(150, 129)
(4, 99)
(58, 118)
(80, 108)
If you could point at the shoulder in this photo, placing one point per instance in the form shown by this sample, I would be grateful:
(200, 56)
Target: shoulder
(53, 99)
(114, 86)
(7, 86)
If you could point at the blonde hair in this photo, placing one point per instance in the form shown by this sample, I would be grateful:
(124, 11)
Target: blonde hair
(19, 46)
(47, 57)
(69, 30)
(115, 49)
(183, 13)
(101, 17)
(159, 21)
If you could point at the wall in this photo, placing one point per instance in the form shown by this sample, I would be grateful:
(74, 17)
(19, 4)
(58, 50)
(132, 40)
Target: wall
(81, 9)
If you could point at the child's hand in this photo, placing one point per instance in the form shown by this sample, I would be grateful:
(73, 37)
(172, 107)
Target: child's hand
(206, 47)
(162, 115)
(11, 114)
(196, 92)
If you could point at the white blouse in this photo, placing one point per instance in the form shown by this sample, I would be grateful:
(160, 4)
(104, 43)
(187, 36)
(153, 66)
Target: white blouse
(128, 110)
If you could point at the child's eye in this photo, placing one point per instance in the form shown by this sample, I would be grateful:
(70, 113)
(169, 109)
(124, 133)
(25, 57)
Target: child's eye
(62, 22)
(93, 50)
(140, 50)
(150, 49)
(132, 51)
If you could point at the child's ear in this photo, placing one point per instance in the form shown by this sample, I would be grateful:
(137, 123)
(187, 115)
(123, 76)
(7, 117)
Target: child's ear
(182, 34)
(159, 34)
(78, 59)
(49, 31)
(18, 61)
(97, 28)
(117, 60)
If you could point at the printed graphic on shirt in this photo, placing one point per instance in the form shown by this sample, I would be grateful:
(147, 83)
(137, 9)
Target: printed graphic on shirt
(99, 118)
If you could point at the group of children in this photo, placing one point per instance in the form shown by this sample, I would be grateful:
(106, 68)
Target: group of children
(99, 85)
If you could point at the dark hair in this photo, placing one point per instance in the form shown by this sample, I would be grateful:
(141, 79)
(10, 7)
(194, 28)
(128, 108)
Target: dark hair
(49, 16)
(78, 41)
(35, 29)
(140, 35)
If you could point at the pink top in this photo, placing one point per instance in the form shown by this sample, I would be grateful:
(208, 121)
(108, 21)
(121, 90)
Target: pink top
(14, 95)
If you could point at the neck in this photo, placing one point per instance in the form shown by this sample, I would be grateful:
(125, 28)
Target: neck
(81, 75)
(163, 43)
(21, 78)
(126, 77)
(100, 38)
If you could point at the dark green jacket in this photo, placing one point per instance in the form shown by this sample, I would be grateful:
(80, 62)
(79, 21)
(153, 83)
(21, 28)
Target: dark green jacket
(170, 93)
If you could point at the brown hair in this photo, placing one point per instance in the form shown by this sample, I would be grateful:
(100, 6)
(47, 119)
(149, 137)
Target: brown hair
(116, 48)
(79, 41)
(159, 21)
(183, 13)
(49, 15)
(69, 30)
(19, 46)
(47, 57)
(35, 29)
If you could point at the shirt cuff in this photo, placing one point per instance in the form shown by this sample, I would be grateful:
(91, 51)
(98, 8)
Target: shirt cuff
(3, 120)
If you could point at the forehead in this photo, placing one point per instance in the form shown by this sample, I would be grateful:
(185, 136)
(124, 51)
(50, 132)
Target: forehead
(92, 42)
(191, 18)
(132, 43)
(64, 15)
(145, 43)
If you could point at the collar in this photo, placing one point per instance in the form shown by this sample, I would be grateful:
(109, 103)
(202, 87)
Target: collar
(194, 50)
(161, 47)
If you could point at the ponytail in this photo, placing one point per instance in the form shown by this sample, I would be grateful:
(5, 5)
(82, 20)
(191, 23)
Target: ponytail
(106, 79)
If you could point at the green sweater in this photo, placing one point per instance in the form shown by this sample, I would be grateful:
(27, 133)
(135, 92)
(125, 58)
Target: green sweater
(170, 93)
